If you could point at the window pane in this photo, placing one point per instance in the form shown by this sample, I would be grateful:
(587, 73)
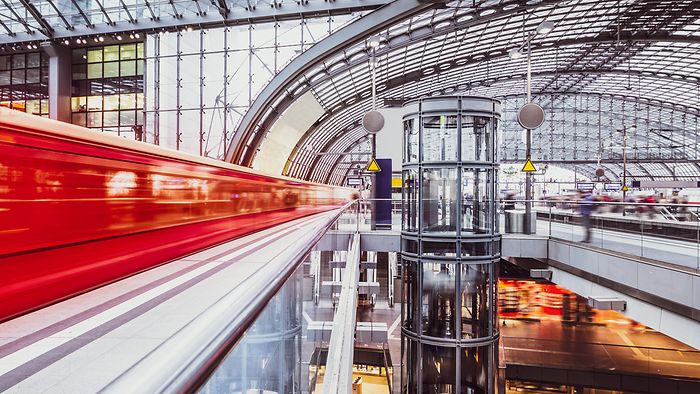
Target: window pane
(111, 53)
(410, 295)
(111, 103)
(79, 71)
(128, 68)
(111, 119)
(438, 304)
(94, 119)
(45, 106)
(139, 67)
(79, 119)
(5, 77)
(410, 141)
(34, 59)
(5, 63)
(128, 52)
(94, 71)
(33, 107)
(139, 100)
(79, 55)
(111, 69)
(128, 101)
(78, 104)
(476, 138)
(32, 75)
(474, 300)
(18, 77)
(477, 201)
(94, 55)
(94, 103)
(439, 189)
(18, 61)
(410, 203)
(439, 138)
(127, 118)
(139, 50)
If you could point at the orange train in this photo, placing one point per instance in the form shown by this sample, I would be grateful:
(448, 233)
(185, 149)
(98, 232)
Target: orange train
(79, 208)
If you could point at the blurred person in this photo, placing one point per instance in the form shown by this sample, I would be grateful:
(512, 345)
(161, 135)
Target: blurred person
(586, 207)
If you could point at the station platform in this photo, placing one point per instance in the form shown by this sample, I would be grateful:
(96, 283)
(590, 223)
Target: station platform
(145, 330)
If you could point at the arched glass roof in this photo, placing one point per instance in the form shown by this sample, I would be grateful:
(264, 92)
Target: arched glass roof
(608, 68)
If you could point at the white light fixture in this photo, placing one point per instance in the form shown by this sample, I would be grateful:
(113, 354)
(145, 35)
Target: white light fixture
(189, 29)
(100, 39)
(95, 39)
(131, 36)
(84, 41)
(545, 27)
(77, 41)
(137, 35)
(119, 37)
(66, 42)
(374, 42)
(515, 54)
(29, 46)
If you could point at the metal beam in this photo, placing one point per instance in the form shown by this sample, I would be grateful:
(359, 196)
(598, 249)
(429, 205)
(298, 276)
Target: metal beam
(347, 36)
(46, 28)
(289, 11)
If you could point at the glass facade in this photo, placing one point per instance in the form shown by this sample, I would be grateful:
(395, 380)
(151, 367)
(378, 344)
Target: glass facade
(450, 245)
(24, 82)
(107, 92)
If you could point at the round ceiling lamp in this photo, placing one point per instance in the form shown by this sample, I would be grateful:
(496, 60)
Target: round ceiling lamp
(373, 121)
(531, 116)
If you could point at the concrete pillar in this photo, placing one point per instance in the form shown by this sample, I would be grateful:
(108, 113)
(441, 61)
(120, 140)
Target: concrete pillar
(60, 77)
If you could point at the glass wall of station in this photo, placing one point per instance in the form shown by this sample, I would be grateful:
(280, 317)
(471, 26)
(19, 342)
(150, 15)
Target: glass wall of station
(200, 83)
(107, 91)
(24, 82)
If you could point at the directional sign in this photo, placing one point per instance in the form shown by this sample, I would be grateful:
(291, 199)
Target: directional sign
(372, 166)
(529, 167)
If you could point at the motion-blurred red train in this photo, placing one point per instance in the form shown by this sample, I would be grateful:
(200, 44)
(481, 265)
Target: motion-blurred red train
(79, 209)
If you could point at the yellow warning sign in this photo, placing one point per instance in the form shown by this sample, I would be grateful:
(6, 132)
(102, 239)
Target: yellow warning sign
(529, 167)
(372, 166)
(625, 188)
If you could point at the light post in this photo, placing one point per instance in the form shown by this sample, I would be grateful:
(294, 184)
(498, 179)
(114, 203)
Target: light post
(531, 115)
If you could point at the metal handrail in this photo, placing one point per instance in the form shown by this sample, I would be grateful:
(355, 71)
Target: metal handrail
(603, 203)
(177, 368)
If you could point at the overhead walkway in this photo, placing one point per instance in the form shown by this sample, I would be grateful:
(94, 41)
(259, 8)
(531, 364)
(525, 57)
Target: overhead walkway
(656, 275)
(165, 329)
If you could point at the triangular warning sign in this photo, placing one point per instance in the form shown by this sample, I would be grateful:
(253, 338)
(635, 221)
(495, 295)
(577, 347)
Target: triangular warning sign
(372, 166)
(625, 188)
(529, 167)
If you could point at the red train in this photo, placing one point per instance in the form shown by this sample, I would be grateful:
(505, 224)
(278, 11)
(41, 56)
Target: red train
(79, 209)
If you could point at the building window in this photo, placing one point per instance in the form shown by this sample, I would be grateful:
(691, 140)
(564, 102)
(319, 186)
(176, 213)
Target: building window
(24, 82)
(108, 87)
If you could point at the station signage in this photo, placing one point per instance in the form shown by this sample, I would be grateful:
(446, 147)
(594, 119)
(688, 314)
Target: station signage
(355, 181)
(585, 186)
(613, 186)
